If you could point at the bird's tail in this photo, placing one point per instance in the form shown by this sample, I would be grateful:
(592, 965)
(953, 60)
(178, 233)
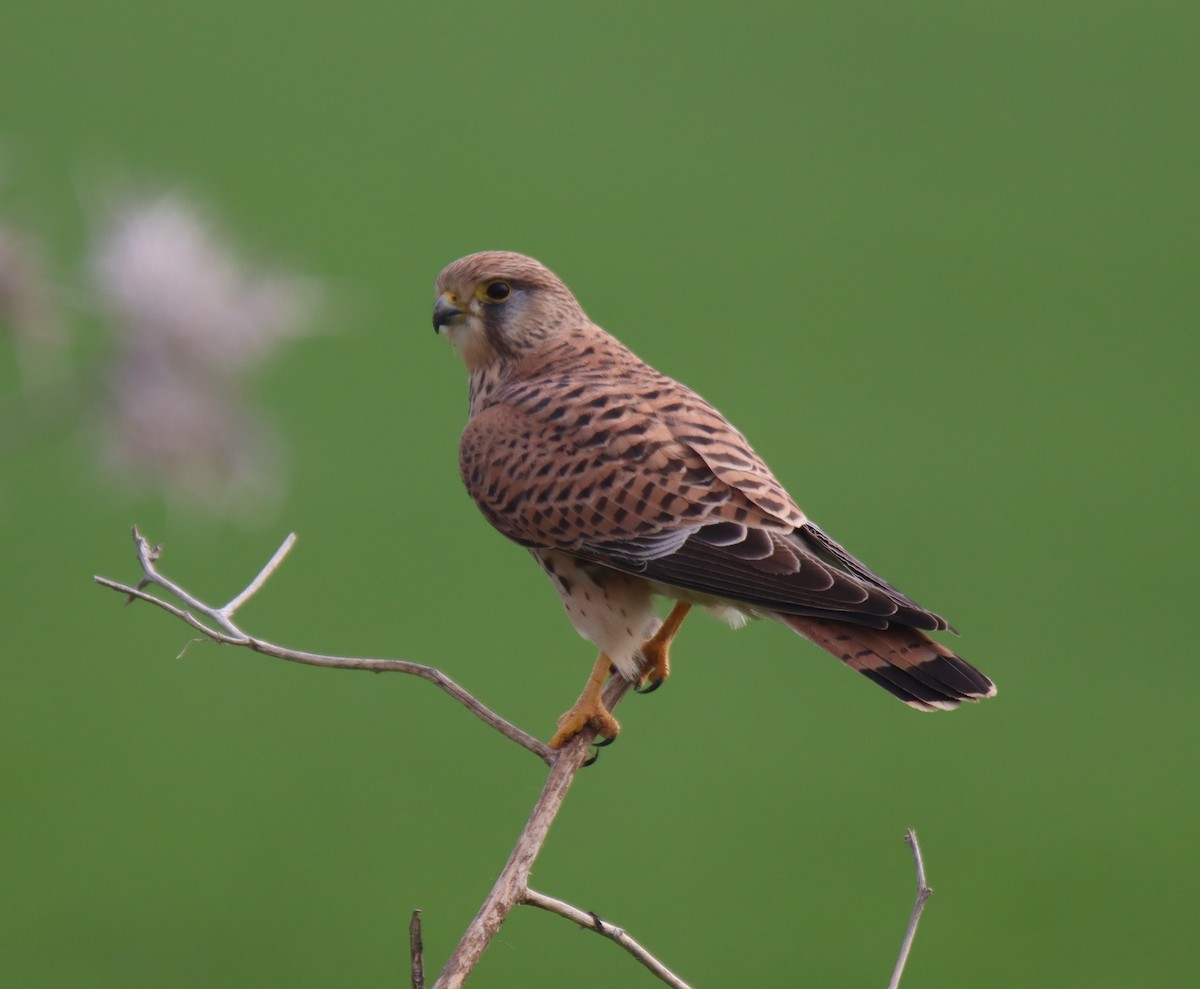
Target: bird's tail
(905, 661)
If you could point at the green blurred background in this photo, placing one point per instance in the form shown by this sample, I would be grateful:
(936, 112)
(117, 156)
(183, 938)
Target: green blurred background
(937, 260)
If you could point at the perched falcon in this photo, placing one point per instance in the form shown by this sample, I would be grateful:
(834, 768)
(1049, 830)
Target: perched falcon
(624, 484)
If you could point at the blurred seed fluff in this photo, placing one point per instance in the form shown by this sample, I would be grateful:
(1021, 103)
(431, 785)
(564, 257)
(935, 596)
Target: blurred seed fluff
(189, 321)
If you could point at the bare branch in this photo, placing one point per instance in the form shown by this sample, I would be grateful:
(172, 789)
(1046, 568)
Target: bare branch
(512, 886)
(923, 891)
(233, 636)
(416, 951)
(594, 923)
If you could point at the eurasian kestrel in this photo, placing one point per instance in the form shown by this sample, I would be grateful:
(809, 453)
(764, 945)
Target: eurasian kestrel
(624, 484)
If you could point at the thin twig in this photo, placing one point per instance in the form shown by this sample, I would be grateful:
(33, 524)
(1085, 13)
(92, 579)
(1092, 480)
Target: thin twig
(923, 891)
(233, 636)
(594, 923)
(416, 950)
(263, 575)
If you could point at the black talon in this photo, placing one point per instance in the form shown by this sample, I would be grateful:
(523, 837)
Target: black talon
(650, 688)
(602, 741)
(590, 760)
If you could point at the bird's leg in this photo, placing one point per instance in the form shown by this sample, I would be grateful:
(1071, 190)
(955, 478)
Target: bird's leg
(589, 709)
(657, 666)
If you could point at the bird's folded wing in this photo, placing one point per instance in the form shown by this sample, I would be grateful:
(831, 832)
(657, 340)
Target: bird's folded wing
(668, 490)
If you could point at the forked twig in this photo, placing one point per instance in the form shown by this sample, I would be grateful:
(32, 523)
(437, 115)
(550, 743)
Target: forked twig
(223, 630)
(512, 886)
(923, 891)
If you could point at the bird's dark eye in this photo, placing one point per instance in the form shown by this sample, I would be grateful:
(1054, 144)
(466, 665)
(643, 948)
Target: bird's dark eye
(498, 291)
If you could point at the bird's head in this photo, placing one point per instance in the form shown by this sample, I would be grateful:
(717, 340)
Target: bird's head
(498, 305)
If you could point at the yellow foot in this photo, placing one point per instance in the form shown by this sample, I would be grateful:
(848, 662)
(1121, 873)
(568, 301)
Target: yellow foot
(656, 666)
(581, 716)
(589, 710)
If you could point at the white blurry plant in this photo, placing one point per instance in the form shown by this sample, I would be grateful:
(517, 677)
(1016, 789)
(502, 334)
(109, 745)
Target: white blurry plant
(189, 320)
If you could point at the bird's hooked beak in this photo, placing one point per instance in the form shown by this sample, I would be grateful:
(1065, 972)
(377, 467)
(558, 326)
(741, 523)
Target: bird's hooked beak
(446, 312)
